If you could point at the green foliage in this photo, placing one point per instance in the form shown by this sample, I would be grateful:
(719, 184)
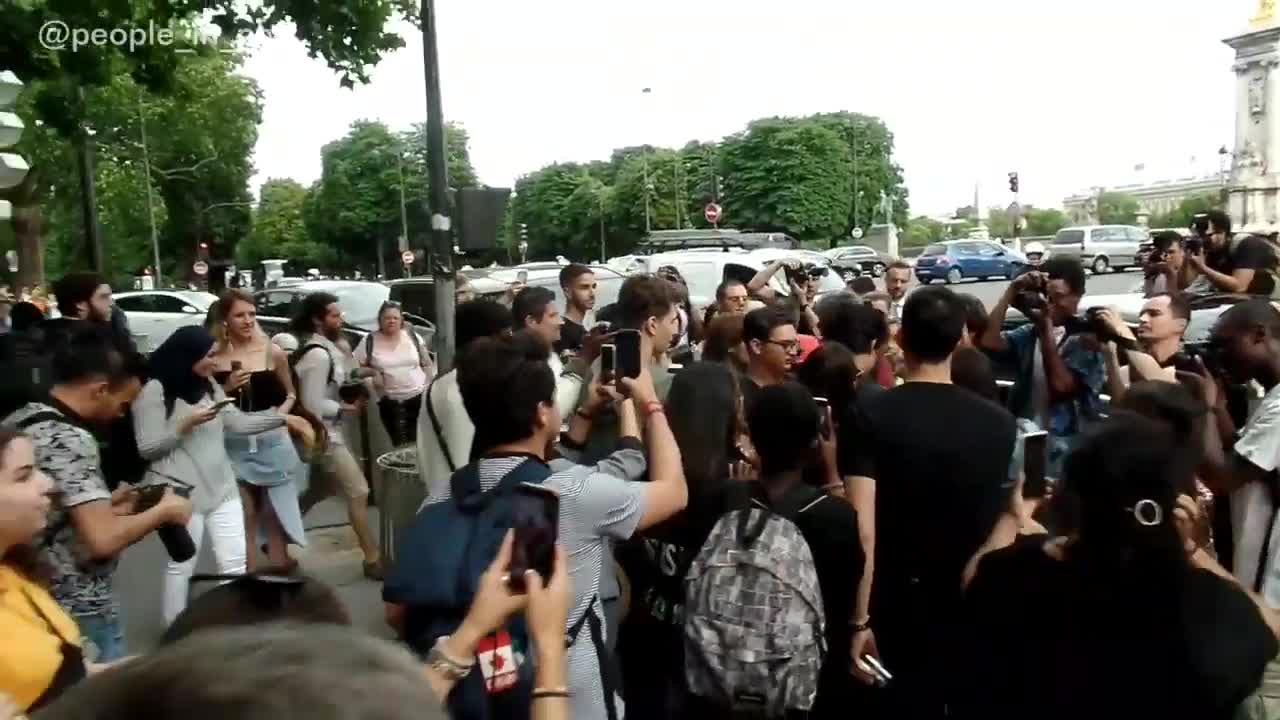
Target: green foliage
(1117, 209)
(560, 205)
(875, 173)
(788, 175)
(279, 229)
(921, 231)
(1044, 222)
(1180, 217)
(354, 209)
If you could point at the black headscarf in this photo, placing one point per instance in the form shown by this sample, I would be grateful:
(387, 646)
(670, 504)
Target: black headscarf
(172, 364)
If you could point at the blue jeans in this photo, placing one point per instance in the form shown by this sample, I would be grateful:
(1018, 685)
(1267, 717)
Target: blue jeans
(103, 637)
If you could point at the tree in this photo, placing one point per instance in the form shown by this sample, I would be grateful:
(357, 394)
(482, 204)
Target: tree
(1117, 209)
(788, 175)
(1188, 208)
(921, 231)
(354, 209)
(350, 35)
(279, 229)
(1044, 221)
(560, 205)
(875, 173)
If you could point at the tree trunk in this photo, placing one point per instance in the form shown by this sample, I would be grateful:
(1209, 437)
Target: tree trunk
(28, 222)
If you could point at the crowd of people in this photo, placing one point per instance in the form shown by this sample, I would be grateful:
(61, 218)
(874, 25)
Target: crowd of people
(782, 506)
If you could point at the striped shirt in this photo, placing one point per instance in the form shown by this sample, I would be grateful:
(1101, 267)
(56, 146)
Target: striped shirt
(597, 503)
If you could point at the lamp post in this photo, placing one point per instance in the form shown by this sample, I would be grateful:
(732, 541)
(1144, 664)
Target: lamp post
(151, 208)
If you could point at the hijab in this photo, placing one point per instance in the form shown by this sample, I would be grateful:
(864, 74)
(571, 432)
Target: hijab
(173, 362)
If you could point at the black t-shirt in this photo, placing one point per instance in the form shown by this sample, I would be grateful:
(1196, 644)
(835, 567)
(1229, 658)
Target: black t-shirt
(571, 336)
(1050, 639)
(1247, 253)
(939, 455)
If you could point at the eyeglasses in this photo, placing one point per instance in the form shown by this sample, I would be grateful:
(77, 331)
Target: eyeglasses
(791, 347)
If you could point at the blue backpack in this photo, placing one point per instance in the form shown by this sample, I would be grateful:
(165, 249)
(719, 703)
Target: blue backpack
(442, 555)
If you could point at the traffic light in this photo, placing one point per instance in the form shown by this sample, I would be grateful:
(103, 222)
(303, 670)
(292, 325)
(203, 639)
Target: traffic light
(1013, 182)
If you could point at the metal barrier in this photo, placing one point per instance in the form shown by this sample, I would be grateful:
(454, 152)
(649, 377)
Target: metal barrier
(401, 494)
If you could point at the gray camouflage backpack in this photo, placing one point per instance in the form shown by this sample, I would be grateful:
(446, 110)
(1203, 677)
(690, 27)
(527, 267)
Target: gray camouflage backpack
(753, 626)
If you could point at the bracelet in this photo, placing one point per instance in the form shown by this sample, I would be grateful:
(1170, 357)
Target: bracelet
(863, 626)
(652, 407)
(439, 660)
(560, 692)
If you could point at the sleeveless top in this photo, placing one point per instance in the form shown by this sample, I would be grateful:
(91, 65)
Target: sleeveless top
(264, 390)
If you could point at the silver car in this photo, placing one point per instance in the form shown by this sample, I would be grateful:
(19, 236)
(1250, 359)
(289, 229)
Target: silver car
(1100, 247)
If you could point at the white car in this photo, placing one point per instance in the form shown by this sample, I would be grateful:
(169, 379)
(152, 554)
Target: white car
(704, 269)
(154, 314)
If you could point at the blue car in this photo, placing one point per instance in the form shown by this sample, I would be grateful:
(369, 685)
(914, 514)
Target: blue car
(956, 260)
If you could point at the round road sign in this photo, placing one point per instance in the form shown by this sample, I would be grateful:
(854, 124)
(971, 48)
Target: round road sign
(407, 257)
(713, 213)
(201, 267)
(856, 233)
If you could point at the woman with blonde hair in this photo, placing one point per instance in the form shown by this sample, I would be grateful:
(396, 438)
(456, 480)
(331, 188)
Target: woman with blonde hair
(255, 372)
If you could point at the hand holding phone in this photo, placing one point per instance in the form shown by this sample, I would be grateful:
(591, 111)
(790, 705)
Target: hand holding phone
(535, 523)
(608, 362)
(1035, 459)
(628, 361)
(219, 405)
(824, 416)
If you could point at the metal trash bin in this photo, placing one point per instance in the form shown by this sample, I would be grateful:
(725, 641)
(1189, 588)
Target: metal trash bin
(400, 496)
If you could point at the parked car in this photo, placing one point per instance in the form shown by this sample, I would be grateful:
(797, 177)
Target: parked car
(1100, 247)
(955, 260)
(359, 302)
(853, 260)
(155, 314)
(704, 270)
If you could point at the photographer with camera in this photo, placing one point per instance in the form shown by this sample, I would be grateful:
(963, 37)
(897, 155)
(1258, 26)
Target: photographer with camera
(1167, 269)
(802, 278)
(1228, 263)
(1060, 367)
(1154, 351)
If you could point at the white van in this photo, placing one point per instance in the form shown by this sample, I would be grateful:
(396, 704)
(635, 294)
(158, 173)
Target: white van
(1100, 247)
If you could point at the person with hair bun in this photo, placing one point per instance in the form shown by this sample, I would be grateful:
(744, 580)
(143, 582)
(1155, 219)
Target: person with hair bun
(1128, 616)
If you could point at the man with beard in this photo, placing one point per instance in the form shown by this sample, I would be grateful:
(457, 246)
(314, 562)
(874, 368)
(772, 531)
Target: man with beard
(1232, 264)
(85, 297)
(322, 369)
(579, 286)
(897, 280)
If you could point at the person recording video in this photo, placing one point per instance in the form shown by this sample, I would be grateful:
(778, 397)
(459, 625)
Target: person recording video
(1060, 374)
(1167, 269)
(1226, 262)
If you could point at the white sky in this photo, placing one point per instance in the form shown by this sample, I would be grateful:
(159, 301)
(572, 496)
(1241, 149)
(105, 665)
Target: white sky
(1102, 85)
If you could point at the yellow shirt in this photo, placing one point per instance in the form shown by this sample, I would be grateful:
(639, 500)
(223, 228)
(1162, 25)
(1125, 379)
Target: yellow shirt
(30, 652)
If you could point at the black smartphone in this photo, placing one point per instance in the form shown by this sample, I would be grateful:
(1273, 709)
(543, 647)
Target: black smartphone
(1035, 459)
(627, 360)
(148, 497)
(535, 518)
(608, 362)
(224, 403)
(824, 416)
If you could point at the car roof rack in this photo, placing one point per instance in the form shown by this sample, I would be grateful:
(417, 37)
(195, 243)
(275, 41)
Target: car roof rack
(659, 241)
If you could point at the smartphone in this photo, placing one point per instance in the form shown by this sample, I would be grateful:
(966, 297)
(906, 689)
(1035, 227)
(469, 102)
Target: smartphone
(627, 361)
(877, 669)
(824, 416)
(535, 517)
(522, 277)
(148, 497)
(1035, 458)
(223, 403)
(608, 361)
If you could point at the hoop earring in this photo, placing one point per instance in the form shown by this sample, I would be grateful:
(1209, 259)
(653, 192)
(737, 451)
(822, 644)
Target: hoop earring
(1148, 513)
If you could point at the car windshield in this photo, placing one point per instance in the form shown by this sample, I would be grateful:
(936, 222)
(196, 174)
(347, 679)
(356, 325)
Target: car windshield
(360, 303)
(935, 250)
(201, 300)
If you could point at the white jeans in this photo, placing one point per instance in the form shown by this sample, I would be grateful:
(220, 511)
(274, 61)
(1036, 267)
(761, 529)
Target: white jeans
(225, 524)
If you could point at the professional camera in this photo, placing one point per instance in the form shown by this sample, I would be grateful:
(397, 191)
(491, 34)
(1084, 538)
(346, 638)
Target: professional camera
(1189, 358)
(801, 274)
(1032, 298)
(1194, 245)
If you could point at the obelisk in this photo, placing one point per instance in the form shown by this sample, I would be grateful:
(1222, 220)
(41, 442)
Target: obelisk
(1253, 190)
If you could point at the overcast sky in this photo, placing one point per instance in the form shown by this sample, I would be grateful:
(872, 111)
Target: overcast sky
(1069, 94)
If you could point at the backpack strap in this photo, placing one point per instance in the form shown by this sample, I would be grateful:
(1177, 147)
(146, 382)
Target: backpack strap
(595, 628)
(466, 490)
(797, 501)
(435, 425)
(312, 346)
(44, 416)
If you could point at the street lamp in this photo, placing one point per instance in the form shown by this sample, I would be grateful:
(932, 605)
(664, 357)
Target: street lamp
(523, 245)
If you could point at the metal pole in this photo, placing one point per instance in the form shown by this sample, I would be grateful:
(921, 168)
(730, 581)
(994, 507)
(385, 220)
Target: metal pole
(151, 208)
(404, 217)
(648, 226)
(600, 198)
(438, 182)
(675, 190)
(88, 196)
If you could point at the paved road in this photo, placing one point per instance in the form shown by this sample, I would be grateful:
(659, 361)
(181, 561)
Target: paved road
(1109, 284)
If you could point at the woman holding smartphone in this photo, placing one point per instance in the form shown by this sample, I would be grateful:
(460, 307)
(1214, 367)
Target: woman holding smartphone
(255, 372)
(403, 371)
(181, 419)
